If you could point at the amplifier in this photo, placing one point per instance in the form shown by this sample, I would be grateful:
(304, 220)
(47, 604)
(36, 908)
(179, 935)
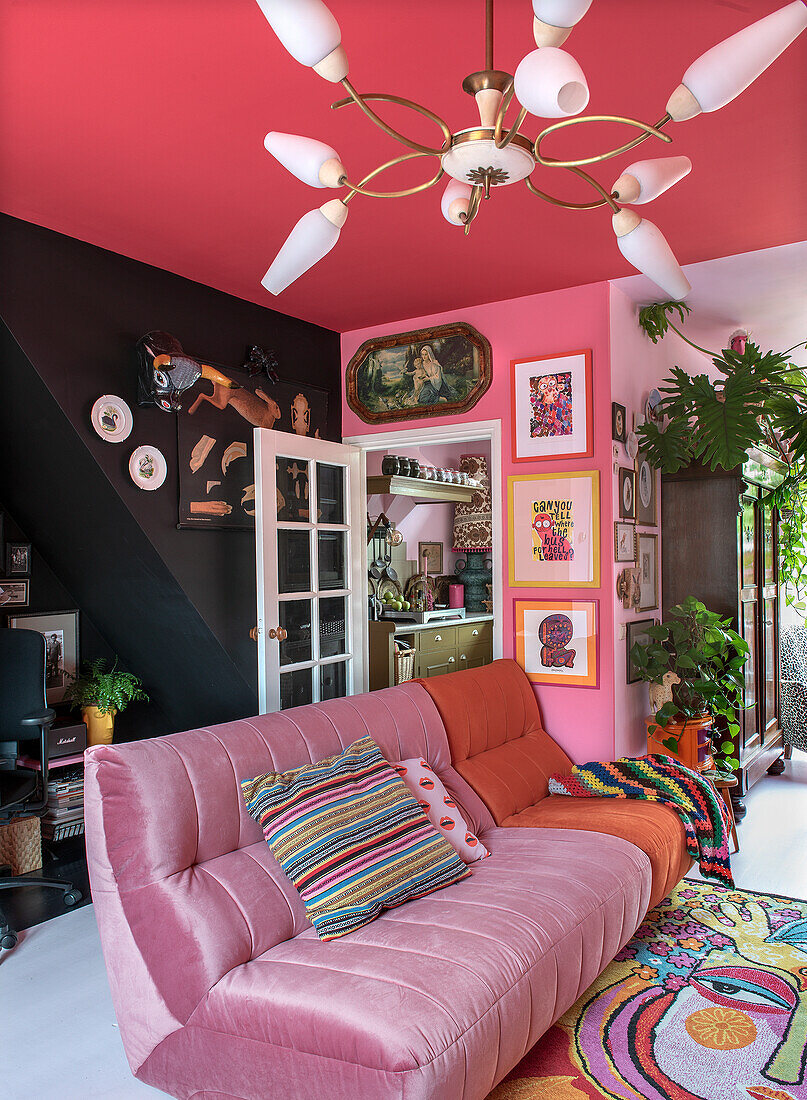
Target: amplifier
(66, 737)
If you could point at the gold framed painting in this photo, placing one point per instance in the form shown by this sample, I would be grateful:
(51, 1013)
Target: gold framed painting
(554, 530)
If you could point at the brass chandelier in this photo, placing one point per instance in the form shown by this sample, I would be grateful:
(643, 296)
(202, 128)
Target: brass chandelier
(548, 83)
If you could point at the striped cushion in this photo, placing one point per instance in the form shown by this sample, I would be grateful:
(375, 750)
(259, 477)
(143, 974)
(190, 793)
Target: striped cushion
(351, 838)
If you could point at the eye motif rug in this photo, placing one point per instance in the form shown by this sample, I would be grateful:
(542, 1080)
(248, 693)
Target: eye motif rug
(708, 1001)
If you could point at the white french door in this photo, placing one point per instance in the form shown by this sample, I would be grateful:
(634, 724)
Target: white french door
(311, 557)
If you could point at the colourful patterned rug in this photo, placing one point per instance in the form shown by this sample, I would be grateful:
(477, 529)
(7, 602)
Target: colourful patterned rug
(707, 1002)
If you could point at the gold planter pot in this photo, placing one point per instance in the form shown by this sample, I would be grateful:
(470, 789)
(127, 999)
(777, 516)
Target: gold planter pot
(100, 727)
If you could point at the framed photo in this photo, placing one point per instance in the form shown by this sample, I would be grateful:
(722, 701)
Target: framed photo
(627, 493)
(214, 446)
(636, 632)
(430, 372)
(552, 407)
(14, 593)
(646, 512)
(554, 529)
(61, 641)
(18, 559)
(556, 641)
(624, 542)
(619, 422)
(648, 571)
(433, 553)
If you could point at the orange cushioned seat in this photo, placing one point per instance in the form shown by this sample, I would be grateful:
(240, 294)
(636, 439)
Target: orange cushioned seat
(500, 747)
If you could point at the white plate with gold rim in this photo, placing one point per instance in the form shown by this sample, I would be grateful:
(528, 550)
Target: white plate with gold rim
(147, 467)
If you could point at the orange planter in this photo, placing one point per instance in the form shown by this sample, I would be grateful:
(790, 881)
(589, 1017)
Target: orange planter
(693, 737)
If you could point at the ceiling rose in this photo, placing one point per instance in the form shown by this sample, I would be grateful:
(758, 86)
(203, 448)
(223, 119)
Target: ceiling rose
(548, 83)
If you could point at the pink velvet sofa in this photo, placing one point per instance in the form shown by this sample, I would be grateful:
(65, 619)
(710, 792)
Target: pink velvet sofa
(223, 991)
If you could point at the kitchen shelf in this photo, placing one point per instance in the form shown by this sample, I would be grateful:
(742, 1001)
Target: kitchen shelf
(424, 491)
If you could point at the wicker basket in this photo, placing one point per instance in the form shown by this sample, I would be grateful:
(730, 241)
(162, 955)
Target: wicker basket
(21, 845)
(404, 665)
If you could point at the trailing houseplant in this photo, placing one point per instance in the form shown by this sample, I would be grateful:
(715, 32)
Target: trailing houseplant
(759, 400)
(696, 655)
(100, 695)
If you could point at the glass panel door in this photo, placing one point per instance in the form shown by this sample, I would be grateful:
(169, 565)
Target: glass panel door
(312, 626)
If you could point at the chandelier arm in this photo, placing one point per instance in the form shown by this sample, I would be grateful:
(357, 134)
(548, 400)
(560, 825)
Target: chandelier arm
(473, 207)
(562, 202)
(360, 100)
(359, 188)
(499, 141)
(649, 131)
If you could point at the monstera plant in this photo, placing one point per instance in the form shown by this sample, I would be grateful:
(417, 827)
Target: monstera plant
(758, 400)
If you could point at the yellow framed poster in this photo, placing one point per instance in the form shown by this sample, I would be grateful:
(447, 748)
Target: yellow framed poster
(554, 530)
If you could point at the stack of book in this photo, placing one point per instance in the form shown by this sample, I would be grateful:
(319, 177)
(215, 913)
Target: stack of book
(64, 816)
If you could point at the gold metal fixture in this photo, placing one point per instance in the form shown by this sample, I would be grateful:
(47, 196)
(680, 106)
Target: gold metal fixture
(278, 632)
(494, 83)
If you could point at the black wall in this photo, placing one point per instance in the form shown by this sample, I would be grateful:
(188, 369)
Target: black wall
(176, 605)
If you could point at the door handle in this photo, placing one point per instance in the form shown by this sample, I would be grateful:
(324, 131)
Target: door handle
(451, 660)
(254, 633)
(279, 633)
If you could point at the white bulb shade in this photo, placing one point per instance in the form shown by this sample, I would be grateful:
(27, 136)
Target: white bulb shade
(303, 157)
(305, 27)
(646, 248)
(722, 73)
(313, 237)
(560, 13)
(455, 201)
(550, 84)
(650, 178)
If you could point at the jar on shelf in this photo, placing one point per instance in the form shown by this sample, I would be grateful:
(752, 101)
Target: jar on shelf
(390, 465)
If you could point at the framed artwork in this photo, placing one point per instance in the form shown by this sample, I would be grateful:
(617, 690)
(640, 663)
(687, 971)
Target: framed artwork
(624, 542)
(554, 530)
(556, 641)
(645, 492)
(552, 407)
(18, 559)
(636, 632)
(619, 423)
(433, 553)
(61, 641)
(627, 493)
(648, 571)
(214, 445)
(14, 593)
(430, 372)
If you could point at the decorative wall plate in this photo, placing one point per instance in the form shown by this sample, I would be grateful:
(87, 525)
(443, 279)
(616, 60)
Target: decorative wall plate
(147, 467)
(112, 418)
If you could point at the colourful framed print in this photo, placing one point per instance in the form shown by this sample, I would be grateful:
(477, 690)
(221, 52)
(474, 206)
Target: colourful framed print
(645, 492)
(624, 542)
(648, 571)
(554, 530)
(627, 493)
(556, 641)
(552, 407)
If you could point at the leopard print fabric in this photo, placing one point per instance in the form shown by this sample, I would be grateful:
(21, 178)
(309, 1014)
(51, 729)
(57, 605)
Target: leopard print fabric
(793, 686)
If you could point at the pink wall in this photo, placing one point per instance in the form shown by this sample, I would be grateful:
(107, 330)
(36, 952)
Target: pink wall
(581, 719)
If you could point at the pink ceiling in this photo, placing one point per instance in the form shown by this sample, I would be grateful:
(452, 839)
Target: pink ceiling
(138, 125)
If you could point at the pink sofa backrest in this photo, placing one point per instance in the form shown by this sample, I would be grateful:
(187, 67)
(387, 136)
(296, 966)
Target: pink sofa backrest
(185, 887)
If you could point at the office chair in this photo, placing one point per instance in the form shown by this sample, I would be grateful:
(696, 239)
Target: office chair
(23, 711)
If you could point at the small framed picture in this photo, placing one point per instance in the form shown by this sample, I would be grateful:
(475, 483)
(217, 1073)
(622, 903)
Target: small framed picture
(552, 407)
(60, 630)
(646, 513)
(648, 571)
(619, 422)
(624, 542)
(430, 558)
(627, 493)
(14, 593)
(18, 559)
(556, 641)
(636, 632)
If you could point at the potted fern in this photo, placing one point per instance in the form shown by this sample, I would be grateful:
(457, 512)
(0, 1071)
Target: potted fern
(694, 660)
(100, 695)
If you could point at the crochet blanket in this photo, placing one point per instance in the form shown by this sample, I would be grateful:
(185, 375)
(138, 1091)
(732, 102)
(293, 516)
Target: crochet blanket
(657, 778)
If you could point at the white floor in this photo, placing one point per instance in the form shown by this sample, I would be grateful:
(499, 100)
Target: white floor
(58, 1036)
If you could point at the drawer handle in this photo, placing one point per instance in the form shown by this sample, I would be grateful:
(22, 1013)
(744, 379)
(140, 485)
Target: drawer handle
(438, 637)
(463, 657)
(451, 660)
(474, 633)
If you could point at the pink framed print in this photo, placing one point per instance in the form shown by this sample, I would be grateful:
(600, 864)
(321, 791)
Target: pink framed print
(556, 641)
(552, 406)
(554, 530)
